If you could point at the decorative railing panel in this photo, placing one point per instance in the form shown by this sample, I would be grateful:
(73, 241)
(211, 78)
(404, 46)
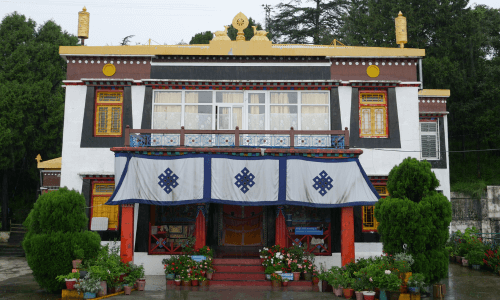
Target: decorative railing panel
(337, 139)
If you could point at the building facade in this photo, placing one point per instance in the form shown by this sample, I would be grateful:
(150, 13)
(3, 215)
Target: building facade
(244, 144)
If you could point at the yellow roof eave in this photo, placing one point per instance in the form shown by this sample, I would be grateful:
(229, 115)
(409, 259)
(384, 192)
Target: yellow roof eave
(261, 48)
(434, 93)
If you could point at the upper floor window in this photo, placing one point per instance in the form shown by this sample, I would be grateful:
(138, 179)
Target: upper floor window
(108, 113)
(249, 110)
(429, 139)
(373, 114)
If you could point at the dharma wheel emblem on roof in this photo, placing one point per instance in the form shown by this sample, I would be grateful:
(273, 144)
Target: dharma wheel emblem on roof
(240, 22)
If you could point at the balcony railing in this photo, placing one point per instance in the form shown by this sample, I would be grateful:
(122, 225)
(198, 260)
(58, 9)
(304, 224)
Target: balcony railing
(336, 139)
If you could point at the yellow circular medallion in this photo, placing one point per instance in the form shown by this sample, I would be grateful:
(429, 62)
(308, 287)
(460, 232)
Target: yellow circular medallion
(109, 70)
(373, 71)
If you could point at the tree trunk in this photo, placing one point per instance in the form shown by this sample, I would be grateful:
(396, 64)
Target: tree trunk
(5, 205)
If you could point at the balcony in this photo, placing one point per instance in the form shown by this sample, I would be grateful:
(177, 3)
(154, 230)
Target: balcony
(182, 138)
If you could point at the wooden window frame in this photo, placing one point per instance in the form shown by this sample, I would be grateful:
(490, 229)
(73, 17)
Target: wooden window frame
(94, 195)
(98, 104)
(364, 211)
(372, 106)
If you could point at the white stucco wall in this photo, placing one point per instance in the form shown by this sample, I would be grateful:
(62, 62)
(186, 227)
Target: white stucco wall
(345, 93)
(137, 105)
(77, 160)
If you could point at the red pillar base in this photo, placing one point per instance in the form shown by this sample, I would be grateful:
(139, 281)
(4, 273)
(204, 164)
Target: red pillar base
(347, 250)
(280, 227)
(127, 233)
(201, 230)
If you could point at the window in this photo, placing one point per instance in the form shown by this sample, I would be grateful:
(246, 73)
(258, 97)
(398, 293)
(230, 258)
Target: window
(369, 221)
(249, 110)
(108, 113)
(373, 114)
(101, 191)
(429, 139)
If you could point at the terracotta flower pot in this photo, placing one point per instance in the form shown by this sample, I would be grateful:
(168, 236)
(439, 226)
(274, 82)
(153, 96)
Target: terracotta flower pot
(177, 282)
(338, 292)
(127, 289)
(296, 276)
(104, 289)
(276, 283)
(186, 283)
(465, 262)
(194, 282)
(369, 295)
(141, 284)
(76, 263)
(315, 280)
(285, 283)
(348, 293)
(210, 275)
(70, 284)
(359, 295)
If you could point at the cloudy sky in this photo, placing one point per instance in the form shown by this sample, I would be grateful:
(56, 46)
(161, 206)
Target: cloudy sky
(163, 21)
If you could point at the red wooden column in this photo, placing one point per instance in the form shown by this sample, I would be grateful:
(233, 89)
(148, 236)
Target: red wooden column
(201, 229)
(280, 227)
(347, 235)
(127, 235)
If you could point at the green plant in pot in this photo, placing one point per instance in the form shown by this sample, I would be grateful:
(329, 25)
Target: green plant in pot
(79, 254)
(416, 282)
(128, 283)
(475, 257)
(268, 271)
(334, 277)
(70, 279)
(89, 286)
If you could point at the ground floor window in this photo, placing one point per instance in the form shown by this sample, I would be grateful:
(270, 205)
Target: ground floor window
(101, 191)
(369, 221)
(308, 227)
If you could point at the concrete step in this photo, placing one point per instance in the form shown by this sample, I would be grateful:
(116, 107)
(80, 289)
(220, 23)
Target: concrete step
(237, 261)
(260, 283)
(239, 276)
(239, 269)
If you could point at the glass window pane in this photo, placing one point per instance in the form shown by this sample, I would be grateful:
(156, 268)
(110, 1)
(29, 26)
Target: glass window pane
(283, 117)
(223, 118)
(167, 117)
(256, 117)
(315, 98)
(199, 97)
(315, 118)
(237, 117)
(284, 98)
(256, 98)
(198, 117)
(229, 97)
(168, 97)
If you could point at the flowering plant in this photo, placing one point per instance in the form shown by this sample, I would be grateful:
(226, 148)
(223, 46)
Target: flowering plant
(276, 277)
(206, 251)
(492, 260)
(389, 281)
(334, 277)
(264, 252)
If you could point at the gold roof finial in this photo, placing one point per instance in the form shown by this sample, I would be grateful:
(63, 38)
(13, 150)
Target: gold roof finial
(83, 24)
(240, 22)
(401, 32)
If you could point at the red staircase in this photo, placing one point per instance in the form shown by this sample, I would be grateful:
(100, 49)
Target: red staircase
(248, 272)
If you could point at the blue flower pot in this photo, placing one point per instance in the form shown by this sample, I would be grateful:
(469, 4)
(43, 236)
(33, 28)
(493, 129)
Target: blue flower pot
(383, 295)
(414, 290)
(170, 276)
(88, 295)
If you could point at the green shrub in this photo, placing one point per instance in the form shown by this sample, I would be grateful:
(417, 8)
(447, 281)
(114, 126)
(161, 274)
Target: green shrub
(49, 244)
(415, 218)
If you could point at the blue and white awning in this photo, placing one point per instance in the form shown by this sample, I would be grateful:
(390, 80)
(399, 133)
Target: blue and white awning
(213, 178)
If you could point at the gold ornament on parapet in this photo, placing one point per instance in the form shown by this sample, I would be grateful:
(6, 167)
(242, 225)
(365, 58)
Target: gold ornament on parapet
(240, 22)
(259, 35)
(83, 23)
(221, 35)
(401, 32)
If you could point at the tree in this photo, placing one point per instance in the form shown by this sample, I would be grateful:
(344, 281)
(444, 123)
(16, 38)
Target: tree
(297, 24)
(417, 220)
(31, 105)
(56, 228)
(202, 38)
(126, 40)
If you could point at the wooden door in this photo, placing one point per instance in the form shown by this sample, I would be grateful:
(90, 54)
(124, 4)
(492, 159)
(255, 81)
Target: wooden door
(242, 225)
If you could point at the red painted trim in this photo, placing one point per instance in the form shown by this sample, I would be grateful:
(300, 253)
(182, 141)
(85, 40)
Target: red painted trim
(200, 231)
(280, 229)
(127, 233)
(347, 250)
(107, 104)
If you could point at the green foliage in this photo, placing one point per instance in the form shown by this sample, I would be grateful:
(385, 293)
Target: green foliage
(411, 179)
(202, 38)
(418, 227)
(107, 264)
(31, 105)
(473, 189)
(417, 280)
(56, 228)
(62, 278)
(298, 23)
(334, 277)
(90, 284)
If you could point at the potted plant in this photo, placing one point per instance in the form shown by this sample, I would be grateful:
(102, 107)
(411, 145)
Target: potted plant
(390, 282)
(169, 265)
(334, 279)
(203, 281)
(276, 280)
(100, 272)
(285, 282)
(294, 268)
(268, 271)
(89, 286)
(308, 268)
(129, 284)
(177, 280)
(346, 281)
(358, 287)
(196, 276)
(210, 273)
(263, 253)
(186, 278)
(475, 258)
(78, 254)
(70, 279)
(416, 282)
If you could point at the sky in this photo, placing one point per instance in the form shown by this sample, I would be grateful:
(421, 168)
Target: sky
(164, 22)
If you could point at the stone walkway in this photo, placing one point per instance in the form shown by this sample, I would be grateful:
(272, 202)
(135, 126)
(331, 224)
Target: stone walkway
(17, 282)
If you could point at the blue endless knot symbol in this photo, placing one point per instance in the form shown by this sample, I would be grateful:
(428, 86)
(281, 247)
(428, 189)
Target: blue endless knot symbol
(244, 180)
(168, 180)
(323, 182)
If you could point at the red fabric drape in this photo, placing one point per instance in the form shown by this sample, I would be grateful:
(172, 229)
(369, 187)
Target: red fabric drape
(127, 233)
(347, 235)
(280, 228)
(200, 231)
